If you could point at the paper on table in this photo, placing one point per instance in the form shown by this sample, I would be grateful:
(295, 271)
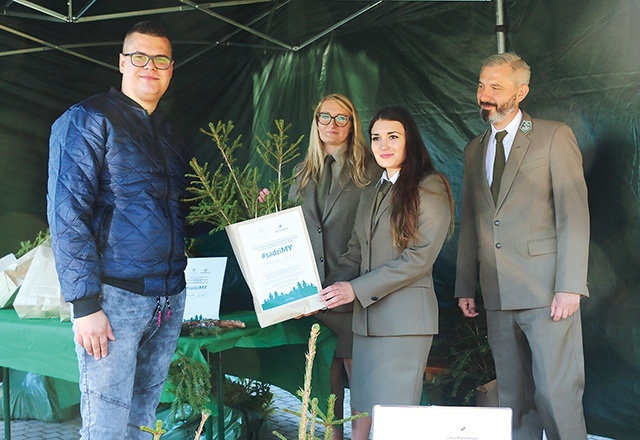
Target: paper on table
(204, 276)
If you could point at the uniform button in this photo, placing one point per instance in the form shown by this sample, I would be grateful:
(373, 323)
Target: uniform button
(366, 242)
(321, 259)
(375, 298)
(319, 230)
(496, 222)
(366, 271)
(498, 245)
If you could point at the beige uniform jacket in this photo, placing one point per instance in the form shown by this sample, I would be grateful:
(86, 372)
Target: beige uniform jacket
(394, 288)
(535, 240)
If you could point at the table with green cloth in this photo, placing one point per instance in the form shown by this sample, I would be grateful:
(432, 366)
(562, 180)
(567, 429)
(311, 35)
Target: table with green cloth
(275, 354)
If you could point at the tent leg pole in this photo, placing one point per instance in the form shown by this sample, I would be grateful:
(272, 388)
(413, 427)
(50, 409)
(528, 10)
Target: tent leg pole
(501, 29)
(6, 403)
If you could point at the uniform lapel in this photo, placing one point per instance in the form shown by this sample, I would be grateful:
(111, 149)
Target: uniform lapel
(385, 204)
(367, 201)
(481, 170)
(336, 190)
(516, 155)
(309, 193)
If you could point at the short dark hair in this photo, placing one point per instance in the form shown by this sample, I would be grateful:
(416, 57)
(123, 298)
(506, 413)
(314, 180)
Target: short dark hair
(148, 27)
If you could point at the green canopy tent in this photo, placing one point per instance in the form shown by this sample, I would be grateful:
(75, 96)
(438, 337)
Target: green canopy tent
(255, 61)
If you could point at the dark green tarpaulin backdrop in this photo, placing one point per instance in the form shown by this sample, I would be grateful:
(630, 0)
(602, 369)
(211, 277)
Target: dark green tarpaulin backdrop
(586, 71)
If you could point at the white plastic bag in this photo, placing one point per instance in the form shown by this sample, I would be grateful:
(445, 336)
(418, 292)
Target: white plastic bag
(40, 295)
(12, 273)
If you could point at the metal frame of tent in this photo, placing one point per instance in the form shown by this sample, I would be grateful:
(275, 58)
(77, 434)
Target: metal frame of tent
(75, 14)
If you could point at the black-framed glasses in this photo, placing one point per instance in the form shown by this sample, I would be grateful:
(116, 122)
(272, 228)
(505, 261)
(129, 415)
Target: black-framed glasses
(325, 119)
(139, 59)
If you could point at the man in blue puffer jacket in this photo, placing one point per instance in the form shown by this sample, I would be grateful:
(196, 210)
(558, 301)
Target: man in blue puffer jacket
(116, 176)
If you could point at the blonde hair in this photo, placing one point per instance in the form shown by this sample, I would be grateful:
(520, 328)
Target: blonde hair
(520, 70)
(357, 154)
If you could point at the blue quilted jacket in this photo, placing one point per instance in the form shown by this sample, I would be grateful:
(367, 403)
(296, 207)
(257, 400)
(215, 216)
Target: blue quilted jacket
(116, 177)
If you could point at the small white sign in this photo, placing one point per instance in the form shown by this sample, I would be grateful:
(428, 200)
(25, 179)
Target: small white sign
(441, 423)
(204, 277)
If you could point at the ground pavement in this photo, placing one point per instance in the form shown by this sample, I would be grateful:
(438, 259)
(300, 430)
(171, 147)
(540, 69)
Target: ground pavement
(286, 424)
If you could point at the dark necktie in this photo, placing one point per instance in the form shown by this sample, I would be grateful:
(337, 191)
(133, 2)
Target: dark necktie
(325, 183)
(382, 191)
(498, 165)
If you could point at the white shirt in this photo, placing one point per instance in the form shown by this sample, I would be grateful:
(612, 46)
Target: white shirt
(507, 143)
(394, 179)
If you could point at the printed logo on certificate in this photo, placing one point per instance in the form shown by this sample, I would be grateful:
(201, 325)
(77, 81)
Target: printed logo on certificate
(204, 276)
(275, 255)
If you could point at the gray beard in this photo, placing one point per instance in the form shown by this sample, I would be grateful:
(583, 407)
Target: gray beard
(501, 112)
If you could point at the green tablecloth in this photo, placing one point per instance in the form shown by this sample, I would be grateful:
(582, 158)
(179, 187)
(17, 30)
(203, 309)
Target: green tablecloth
(274, 354)
(42, 346)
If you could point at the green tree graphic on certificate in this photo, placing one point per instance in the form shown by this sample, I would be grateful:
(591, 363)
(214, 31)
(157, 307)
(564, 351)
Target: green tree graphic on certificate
(300, 291)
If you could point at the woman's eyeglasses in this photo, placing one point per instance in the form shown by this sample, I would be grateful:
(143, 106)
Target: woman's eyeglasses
(325, 119)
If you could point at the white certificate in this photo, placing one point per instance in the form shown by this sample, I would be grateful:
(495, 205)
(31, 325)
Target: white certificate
(204, 277)
(275, 255)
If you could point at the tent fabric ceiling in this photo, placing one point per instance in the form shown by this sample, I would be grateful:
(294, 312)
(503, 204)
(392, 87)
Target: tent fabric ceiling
(91, 30)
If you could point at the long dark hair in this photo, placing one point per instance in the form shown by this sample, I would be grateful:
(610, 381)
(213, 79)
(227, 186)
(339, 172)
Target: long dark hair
(406, 191)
